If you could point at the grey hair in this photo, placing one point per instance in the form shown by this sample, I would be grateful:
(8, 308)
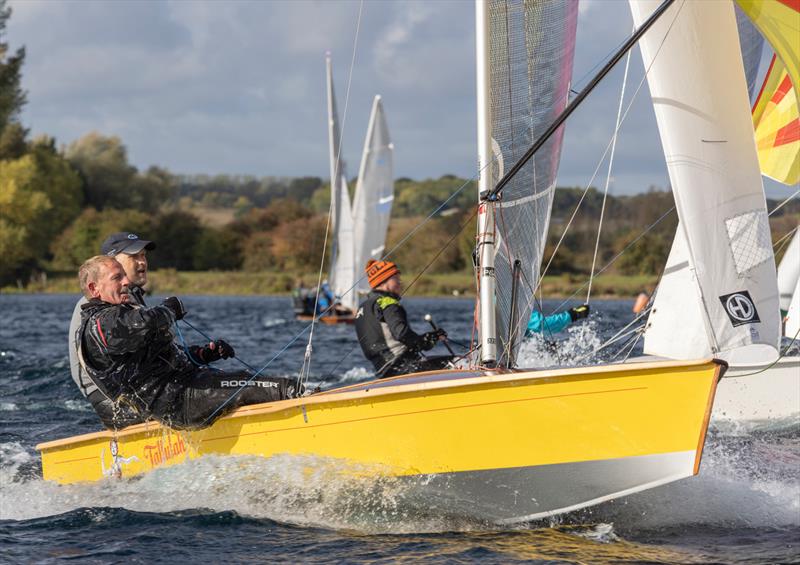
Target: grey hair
(90, 271)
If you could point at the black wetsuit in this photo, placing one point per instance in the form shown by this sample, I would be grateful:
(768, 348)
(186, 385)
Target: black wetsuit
(389, 342)
(129, 353)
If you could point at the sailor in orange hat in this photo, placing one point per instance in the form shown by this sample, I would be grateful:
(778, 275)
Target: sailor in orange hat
(383, 331)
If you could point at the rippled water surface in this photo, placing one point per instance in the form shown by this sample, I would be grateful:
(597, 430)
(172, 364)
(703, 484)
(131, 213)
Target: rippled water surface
(744, 507)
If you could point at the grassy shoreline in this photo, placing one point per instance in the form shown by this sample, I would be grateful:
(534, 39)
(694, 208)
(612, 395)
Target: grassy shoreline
(239, 283)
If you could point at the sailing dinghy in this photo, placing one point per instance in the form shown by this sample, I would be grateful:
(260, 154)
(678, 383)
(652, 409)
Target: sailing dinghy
(486, 441)
(359, 230)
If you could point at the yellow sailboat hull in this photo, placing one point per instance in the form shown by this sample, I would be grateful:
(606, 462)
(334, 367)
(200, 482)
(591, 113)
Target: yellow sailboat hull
(503, 446)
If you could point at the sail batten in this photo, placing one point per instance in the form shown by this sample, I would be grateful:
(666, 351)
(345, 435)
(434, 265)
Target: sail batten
(699, 94)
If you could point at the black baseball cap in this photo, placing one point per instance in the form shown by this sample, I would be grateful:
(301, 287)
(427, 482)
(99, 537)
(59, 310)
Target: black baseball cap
(125, 242)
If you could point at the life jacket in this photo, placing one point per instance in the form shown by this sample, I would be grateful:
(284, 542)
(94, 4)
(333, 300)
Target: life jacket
(383, 331)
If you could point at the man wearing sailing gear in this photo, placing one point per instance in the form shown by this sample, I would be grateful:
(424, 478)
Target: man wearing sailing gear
(131, 252)
(555, 323)
(129, 353)
(383, 331)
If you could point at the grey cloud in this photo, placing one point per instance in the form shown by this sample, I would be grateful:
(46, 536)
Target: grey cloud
(239, 87)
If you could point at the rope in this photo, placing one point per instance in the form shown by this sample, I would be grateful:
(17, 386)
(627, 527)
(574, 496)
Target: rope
(608, 175)
(210, 339)
(608, 147)
(781, 355)
(782, 204)
(305, 369)
(611, 143)
(620, 254)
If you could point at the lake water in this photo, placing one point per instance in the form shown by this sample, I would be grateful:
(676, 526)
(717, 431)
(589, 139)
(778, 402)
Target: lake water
(744, 507)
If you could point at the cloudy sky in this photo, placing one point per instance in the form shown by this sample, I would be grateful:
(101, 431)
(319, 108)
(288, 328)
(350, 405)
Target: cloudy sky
(239, 87)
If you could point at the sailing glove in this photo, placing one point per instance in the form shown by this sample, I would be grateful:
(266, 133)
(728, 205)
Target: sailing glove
(579, 312)
(174, 304)
(214, 351)
(430, 339)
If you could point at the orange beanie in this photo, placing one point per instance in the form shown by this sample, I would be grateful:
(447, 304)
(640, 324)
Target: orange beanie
(378, 272)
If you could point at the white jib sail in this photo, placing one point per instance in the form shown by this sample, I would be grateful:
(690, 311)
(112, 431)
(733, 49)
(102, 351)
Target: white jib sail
(342, 274)
(789, 271)
(372, 204)
(700, 100)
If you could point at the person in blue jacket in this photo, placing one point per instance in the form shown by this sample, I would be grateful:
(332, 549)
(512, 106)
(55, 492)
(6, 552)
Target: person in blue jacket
(326, 299)
(555, 323)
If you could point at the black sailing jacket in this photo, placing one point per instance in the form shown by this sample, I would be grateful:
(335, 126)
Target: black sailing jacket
(383, 331)
(129, 351)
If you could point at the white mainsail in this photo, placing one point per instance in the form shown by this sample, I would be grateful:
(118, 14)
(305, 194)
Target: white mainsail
(789, 272)
(342, 273)
(359, 230)
(372, 205)
(699, 94)
(531, 46)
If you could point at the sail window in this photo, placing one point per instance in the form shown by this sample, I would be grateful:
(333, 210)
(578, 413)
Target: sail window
(748, 236)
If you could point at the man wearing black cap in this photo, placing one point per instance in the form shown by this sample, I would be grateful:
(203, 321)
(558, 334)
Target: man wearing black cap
(130, 251)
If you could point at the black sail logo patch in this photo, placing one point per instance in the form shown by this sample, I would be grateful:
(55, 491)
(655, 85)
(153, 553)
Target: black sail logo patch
(740, 308)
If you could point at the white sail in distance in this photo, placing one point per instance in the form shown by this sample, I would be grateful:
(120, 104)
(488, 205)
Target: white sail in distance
(699, 94)
(342, 274)
(374, 195)
(531, 51)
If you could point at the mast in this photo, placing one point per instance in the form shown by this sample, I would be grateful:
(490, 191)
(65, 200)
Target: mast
(486, 229)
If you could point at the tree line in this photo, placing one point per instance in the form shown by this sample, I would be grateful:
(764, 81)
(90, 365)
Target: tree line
(58, 203)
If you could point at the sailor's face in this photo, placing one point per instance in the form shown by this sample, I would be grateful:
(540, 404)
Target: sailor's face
(135, 266)
(111, 285)
(394, 285)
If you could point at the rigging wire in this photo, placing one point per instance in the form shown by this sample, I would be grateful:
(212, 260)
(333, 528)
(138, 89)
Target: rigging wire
(567, 112)
(647, 230)
(594, 175)
(782, 204)
(783, 241)
(305, 368)
(608, 175)
(608, 147)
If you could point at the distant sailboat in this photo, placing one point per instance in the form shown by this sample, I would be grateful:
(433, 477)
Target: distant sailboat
(359, 230)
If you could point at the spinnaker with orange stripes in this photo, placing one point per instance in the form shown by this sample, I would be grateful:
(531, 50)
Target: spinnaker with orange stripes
(775, 112)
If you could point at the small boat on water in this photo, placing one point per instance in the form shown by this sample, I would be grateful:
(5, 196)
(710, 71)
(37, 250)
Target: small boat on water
(495, 445)
(343, 318)
(359, 230)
